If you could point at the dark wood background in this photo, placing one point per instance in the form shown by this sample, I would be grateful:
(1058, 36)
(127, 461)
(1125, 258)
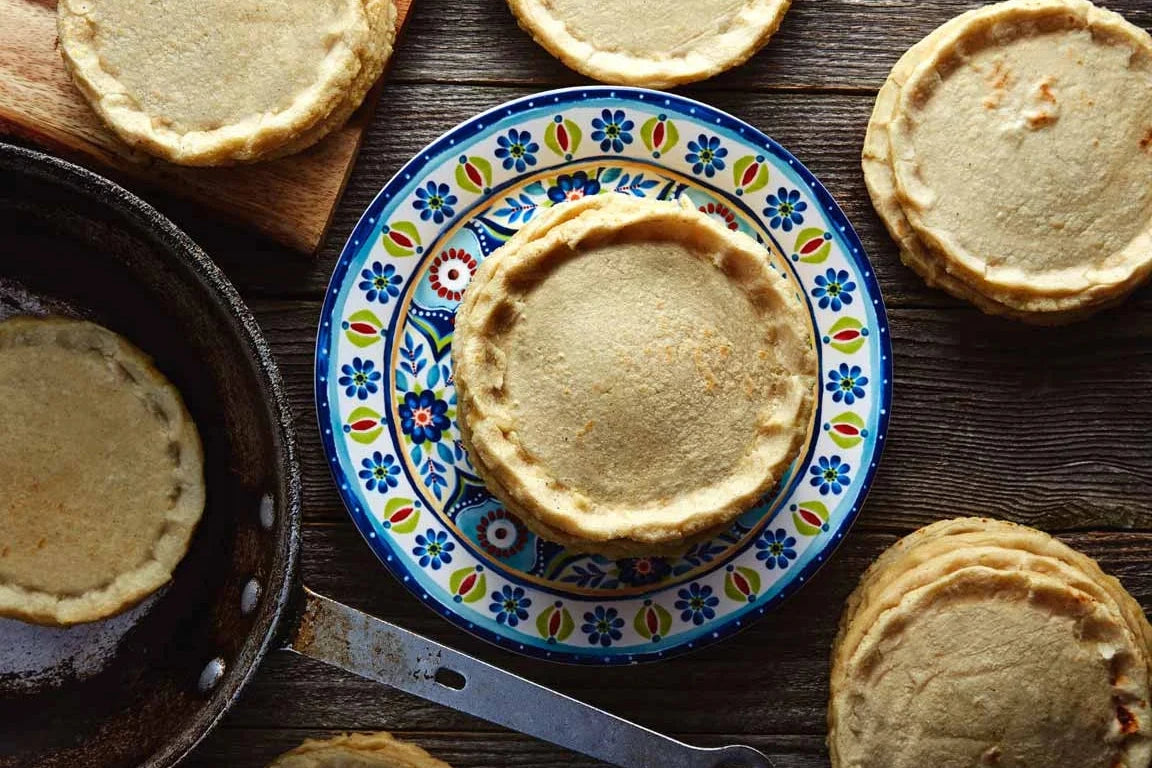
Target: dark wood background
(1045, 427)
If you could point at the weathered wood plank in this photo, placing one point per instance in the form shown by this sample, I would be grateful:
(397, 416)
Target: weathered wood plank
(766, 686)
(826, 131)
(974, 432)
(248, 748)
(1042, 426)
(841, 44)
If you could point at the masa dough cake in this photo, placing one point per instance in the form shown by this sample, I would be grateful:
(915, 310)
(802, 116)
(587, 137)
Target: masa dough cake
(631, 374)
(652, 43)
(977, 642)
(224, 81)
(376, 750)
(1008, 155)
(985, 540)
(382, 27)
(101, 473)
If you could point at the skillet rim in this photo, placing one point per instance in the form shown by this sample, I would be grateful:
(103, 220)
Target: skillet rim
(177, 248)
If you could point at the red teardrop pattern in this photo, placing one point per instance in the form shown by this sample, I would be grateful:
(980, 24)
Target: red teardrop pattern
(741, 583)
(750, 174)
(467, 584)
(812, 246)
(474, 174)
(810, 517)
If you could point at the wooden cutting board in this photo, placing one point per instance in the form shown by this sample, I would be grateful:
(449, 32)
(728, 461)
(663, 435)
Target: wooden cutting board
(290, 200)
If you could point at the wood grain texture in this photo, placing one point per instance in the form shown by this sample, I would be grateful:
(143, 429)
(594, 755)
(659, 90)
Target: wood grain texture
(842, 45)
(1046, 427)
(766, 686)
(825, 130)
(1040, 426)
(490, 750)
(290, 200)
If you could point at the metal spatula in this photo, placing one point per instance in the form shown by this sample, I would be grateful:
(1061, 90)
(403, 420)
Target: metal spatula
(380, 651)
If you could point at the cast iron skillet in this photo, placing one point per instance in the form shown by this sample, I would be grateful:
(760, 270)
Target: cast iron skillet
(73, 243)
(142, 689)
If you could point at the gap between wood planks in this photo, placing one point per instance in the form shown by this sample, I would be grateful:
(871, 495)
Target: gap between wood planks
(685, 90)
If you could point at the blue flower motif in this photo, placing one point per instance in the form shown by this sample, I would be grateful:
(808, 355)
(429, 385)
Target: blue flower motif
(612, 130)
(846, 384)
(517, 150)
(573, 187)
(831, 474)
(359, 378)
(697, 603)
(785, 209)
(776, 548)
(641, 571)
(435, 202)
(834, 289)
(380, 282)
(706, 155)
(515, 208)
(510, 605)
(423, 416)
(379, 473)
(602, 626)
(433, 549)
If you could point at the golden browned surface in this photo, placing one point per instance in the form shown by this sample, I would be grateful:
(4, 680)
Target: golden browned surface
(653, 43)
(218, 82)
(989, 667)
(381, 16)
(374, 750)
(632, 374)
(959, 624)
(290, 200)
(101, 480)
(1043, 98)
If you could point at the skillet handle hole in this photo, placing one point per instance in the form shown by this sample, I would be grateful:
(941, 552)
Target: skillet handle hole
(450, 678)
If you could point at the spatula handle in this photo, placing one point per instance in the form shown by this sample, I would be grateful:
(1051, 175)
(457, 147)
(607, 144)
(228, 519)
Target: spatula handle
(380, 651)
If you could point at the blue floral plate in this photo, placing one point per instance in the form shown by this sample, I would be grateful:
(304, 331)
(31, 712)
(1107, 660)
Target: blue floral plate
(387, 404)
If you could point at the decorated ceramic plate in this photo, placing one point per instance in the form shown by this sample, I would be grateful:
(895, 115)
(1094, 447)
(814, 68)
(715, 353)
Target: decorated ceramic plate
(387, 404)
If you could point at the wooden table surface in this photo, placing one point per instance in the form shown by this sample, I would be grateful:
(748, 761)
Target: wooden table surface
(1045, 427)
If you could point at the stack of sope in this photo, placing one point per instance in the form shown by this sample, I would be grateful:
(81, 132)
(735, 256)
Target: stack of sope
(224, 82)
(1009, 155)
(589, 353)
(979, 642)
